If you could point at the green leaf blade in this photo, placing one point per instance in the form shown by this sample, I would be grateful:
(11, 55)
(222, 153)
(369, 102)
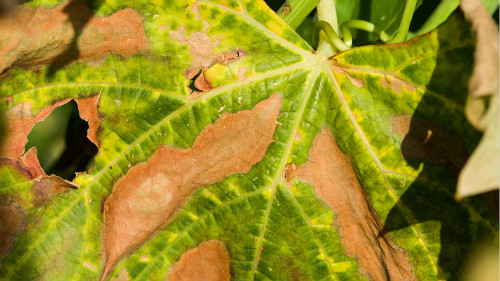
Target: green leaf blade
(274, 226)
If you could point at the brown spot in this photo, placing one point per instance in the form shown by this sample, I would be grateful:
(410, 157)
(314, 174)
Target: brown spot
(385, 83)
(286, 171)
(298, 136)
(88, 111)
(209, 262)
(89, 265)
(356, 81)
(190, 74)
(153, 191)
(11, 224)
(425, 141)
(397, 84)
(202, 84)
(242, 73)
(331, 173)
(30, 161)
(338, 69)
(285, 10)
(32, 37)
(46, 188)
(201, 45)
(195, 9)
(17, 166)
(103, 203)
(123, 276)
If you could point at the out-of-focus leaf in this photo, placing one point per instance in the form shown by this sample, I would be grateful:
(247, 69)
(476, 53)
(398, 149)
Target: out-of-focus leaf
(440, 14)
(384, 14)
(481, 173)
(483, 264)
(490, 5)
(305, 29)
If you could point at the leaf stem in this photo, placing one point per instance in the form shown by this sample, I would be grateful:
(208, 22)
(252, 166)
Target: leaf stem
(405, 22)
(363, 25)
(327, 13)
(332, 36)
(293, 12)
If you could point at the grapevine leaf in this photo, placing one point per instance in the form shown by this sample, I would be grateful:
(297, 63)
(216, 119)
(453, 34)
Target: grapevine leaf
(230, 150)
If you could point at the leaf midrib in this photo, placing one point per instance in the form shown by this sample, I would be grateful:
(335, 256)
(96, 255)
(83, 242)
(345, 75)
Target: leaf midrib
(262, 28)
(283, 163)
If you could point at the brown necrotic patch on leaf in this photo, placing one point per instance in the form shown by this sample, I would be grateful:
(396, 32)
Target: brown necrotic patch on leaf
(425, 141)
(153, 191)
(332, 175)
(23, 172)
(385, 83)
(43, 188)
(88, 111)
(286, 9)
(11, 224)
(209, 262)
(338, 69)
(201, 49)
(30, 161)
(203, 84)
(356, 81)
(32, 37)
(200, 45)
(19, 121)
(46, 188)
(123, 276)
(242, 73)
(397, 84)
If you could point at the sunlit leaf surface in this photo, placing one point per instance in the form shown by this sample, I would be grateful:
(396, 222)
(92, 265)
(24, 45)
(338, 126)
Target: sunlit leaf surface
(229, 150)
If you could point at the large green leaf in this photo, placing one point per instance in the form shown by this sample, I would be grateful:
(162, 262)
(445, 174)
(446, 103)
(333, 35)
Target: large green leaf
(300, 167)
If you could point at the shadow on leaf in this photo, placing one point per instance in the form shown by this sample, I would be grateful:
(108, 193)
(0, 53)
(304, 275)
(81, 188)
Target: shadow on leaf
(79, 15)
(433, 144)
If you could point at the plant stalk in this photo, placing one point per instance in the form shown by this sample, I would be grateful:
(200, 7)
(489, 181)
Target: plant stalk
(405, 22)
(328, 13)
(293, 12)
(363, 25)
(332, 36)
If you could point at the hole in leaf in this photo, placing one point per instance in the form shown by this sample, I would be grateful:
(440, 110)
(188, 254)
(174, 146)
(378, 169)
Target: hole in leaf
(62, 143)
(191, 82)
